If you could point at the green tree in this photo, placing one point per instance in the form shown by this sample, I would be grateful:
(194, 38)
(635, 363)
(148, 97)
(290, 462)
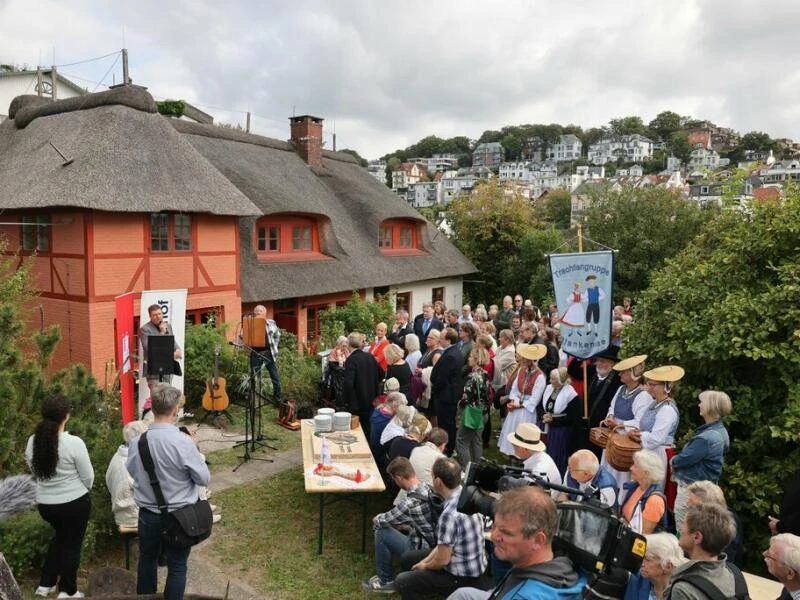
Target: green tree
(756, 140)
(726, 310)
(530, 275)
(362, 161)
(627, 126)
(592, 136)
(647, 227)
(488, 226)
(678, 144)
(555, 208)
(357, 315)
(665, 124)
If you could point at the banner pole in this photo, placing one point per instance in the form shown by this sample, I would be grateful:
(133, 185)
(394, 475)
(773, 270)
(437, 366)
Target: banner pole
(583, 362)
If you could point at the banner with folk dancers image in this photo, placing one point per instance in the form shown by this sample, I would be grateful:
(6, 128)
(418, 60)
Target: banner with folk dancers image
(584, 286)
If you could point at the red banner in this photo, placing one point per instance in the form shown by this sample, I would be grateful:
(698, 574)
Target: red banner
(124, 347)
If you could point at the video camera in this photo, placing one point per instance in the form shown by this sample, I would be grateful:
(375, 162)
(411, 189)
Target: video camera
(593, 537)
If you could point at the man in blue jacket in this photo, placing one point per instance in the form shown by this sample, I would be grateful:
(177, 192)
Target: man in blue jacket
(524, 524)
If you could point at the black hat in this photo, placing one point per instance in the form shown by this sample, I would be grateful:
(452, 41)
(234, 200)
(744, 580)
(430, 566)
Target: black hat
(611, 353)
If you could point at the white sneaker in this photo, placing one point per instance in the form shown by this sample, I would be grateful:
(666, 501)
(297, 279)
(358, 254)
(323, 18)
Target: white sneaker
(66, 595)
(216, 518)
(44, 591)
(214, 507)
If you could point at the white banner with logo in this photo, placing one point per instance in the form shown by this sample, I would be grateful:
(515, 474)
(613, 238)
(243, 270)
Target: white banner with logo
(173, 309)
(583, 284)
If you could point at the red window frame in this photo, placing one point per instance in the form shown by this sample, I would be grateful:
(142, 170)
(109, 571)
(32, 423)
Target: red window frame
(400, 236)
(287, 237)
(170, 232)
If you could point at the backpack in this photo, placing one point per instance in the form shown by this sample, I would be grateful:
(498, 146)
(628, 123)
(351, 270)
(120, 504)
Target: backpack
(435, 506)
(711, 591)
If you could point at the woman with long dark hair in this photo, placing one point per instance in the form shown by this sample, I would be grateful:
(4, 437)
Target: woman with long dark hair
(64, 476)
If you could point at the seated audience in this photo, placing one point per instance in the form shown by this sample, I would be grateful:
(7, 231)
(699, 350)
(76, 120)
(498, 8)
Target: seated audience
(706, 491)
(397, 427)
(524, 525)
(412, 515)
(120, 482)
(663, 556)
(531, 450)
(644, 505)
(422, 458)
(707, 529)
(584, 471)
(413, 438)
(783, 563)
(458, 559)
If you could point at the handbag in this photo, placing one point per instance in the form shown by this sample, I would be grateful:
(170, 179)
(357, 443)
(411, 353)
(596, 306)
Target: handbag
(417, 389)
(183, 527)
(472, 417)
(620, 449)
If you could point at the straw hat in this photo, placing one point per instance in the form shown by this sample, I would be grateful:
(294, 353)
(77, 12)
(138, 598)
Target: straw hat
(391, 385)
(527, 435)
(667, 373)
(532, 351)
(630, 363)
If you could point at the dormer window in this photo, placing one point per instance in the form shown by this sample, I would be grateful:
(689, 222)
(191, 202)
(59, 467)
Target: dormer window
(400, 236)
(287, 237)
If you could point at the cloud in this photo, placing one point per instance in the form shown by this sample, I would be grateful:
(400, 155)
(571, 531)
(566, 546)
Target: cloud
(390, 74)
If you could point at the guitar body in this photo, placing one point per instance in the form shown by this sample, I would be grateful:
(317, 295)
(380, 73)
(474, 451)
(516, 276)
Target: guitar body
(215, 396)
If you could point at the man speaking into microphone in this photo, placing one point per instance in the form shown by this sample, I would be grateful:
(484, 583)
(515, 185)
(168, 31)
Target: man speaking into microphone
(155, 326)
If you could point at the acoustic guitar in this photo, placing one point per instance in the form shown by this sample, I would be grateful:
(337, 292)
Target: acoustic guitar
(215, 397)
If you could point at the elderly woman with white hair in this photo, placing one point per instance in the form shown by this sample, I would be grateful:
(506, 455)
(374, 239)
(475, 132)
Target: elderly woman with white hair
(560, 413)
(411, 343)
(704, 455)
(120, 482)
(645, 505)
(662, 556)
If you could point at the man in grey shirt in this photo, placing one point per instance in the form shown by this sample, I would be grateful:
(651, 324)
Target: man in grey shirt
(155, 326)
(180, 468)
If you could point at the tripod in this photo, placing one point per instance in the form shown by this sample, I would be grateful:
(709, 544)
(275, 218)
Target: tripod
(253, 436)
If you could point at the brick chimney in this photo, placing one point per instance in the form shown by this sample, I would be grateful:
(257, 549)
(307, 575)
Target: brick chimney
(306, 135)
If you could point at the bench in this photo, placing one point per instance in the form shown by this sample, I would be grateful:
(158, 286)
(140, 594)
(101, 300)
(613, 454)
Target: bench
(128, 534)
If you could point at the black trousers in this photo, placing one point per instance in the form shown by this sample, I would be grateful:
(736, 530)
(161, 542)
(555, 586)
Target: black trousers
(418, 584)
(64, 552)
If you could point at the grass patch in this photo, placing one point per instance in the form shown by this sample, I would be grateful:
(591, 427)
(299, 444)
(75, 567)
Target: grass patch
(269, 535)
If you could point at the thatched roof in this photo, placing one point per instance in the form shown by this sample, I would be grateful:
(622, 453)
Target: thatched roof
(125, 158)
(349, 203)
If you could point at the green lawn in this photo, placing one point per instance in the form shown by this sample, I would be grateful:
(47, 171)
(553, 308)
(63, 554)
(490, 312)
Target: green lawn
(269, 538)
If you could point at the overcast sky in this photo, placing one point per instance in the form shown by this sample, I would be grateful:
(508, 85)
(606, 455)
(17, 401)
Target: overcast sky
(387, 74)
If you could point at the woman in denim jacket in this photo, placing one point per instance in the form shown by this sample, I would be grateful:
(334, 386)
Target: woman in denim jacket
(702, 458)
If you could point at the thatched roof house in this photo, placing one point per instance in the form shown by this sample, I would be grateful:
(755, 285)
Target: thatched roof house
(349, 204)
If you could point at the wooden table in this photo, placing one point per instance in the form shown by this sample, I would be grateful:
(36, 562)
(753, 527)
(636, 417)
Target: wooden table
(334, 489)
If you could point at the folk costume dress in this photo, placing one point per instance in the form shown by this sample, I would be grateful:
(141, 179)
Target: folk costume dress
(560, 432)
(658, 425)
(627, 408)
(526, 391)
(575, 315)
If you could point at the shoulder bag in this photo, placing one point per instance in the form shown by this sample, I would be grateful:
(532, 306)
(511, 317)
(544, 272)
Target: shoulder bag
(183, 527)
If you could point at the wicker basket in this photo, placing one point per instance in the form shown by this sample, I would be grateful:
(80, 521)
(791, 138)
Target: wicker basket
(599, 435)
(620, 449)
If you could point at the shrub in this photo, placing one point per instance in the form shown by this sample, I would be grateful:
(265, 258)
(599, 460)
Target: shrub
(357, 315)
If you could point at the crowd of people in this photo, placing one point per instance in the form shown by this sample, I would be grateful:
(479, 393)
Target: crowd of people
(453, 373)
(427, 392)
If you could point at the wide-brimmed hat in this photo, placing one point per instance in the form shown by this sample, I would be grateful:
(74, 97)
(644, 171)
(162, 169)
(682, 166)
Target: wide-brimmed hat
(527, 435)
(611, 353)
(532, 351)
(630, 363)
(667, 373)
(391, 385)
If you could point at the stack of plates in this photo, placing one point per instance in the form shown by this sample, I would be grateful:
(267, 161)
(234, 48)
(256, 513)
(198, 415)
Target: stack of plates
(323, 423)
(326, 411)
(341, 421)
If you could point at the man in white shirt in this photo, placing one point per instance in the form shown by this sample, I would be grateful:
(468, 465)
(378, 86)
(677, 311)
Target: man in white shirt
(529, 447)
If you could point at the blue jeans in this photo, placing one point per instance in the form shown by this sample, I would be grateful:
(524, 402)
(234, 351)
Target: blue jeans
(150, 547)
(264, 357)
(388, 543)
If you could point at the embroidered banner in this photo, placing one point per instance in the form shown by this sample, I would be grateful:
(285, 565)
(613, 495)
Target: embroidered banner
(583, 284)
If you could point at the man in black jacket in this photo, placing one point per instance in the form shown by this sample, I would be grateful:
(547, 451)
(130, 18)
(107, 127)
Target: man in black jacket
(400, 329)
(447, 385)
(603, 382)
(362, 377)
(425, 321)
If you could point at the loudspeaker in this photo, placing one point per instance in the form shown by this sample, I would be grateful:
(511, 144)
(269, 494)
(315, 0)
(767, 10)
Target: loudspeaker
(160, 355)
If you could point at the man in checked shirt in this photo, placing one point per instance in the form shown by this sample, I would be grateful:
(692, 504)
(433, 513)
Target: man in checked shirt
(407, 526)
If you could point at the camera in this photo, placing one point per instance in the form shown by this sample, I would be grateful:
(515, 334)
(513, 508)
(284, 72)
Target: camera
(589, 533)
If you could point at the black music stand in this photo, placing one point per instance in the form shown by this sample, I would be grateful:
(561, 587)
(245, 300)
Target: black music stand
(253, 436)
(160, 356)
